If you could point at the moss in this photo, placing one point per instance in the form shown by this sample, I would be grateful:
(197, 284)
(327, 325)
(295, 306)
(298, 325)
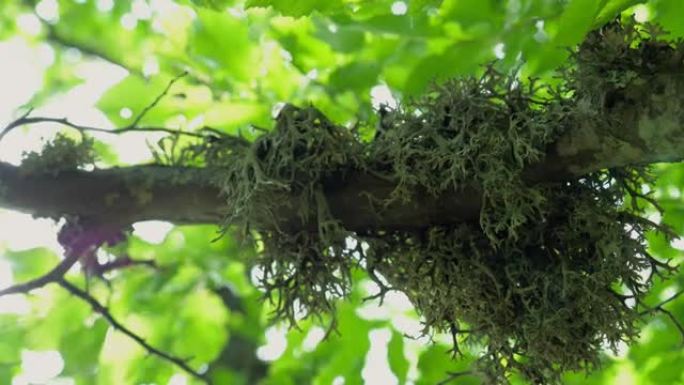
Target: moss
(60, 154)
(540, 281)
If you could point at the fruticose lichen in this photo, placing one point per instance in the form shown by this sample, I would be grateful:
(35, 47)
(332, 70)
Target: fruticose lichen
(62, 153)
(541, 282)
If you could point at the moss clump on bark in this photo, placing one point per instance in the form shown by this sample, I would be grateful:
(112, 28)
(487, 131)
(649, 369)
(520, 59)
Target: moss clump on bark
(62, 153)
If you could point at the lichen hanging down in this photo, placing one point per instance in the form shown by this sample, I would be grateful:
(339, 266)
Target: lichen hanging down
(305, 263)
(540, 282)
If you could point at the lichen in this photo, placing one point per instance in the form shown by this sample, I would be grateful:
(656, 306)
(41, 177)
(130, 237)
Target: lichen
(540, 281)
(62, 153)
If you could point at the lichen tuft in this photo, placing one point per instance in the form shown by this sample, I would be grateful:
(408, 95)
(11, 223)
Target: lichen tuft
(542, 281)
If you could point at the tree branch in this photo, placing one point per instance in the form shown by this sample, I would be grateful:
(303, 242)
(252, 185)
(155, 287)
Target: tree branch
(25, 120)
(104, 312)
(53, 275)
(649, 128)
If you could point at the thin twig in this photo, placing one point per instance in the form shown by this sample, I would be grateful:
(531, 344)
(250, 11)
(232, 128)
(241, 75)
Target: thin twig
(661, 304)
(104, 312)
(157, 100)
(659, 308)
(26, 120)
(454, 375)
(52, 276)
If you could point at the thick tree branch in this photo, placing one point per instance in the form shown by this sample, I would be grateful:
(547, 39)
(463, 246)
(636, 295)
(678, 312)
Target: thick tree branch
(649, 128)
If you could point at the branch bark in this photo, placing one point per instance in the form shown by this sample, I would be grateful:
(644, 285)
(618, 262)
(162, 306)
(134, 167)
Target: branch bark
(649, 129)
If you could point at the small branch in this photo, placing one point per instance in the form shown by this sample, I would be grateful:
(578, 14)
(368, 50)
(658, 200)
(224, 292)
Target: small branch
(125, 262)
(660, 309)
(53, 275)
(454, 375)
(157, 100)
(26, 120)
(104, 312)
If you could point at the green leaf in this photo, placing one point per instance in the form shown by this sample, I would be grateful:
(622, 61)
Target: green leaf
(81, 350)
(574, 23)
(129, 98)
(32, 263)
(459, 59)
(298, 8)
(669, 14)
(435, 363)
(221, 46)
(12, 341)
(397, 360)
(611, 9)
(216, 5)
(470, 12)
(357, 76)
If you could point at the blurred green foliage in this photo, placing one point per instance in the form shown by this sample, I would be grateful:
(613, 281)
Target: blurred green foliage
(243, 58)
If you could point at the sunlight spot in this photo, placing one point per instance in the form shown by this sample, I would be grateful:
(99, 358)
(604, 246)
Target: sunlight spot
(312, 75)
(499, 51)
(276, 343)
(399, 8)
(151, 67)
(372, 312)
(625, 374)
(141, 10)
(668, 292)
(11, 304)
(23, 75)
(28, 24)
(381, 95)
(674, 192)
(286, 55)
(313, 338)
(409, 326)
(641, 13)
(105, 5)
(129, 21)
(654, 217)
(630, 303)
(621, 350)
(6, 278)
(339, 380)
(275, 110)
(21, 231)
(398, 301)
(178, 379)
(678, 243)
(125, 113)
(41, 366)
(48, 10)
(332, 27)
(237, 12)
(152, 231)
(376, 369)
(196, 123)
(117, 346)
(540, 35)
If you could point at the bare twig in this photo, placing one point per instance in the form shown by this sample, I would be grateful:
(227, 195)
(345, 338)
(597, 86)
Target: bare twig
(454, 375)
(53, 275)
(26, 120)
(106, 314)
(660, 309)
(156, 100)
(125, 262)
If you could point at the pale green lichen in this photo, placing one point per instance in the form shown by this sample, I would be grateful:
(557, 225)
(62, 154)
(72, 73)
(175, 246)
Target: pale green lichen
(539, 281)
(62, 153)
